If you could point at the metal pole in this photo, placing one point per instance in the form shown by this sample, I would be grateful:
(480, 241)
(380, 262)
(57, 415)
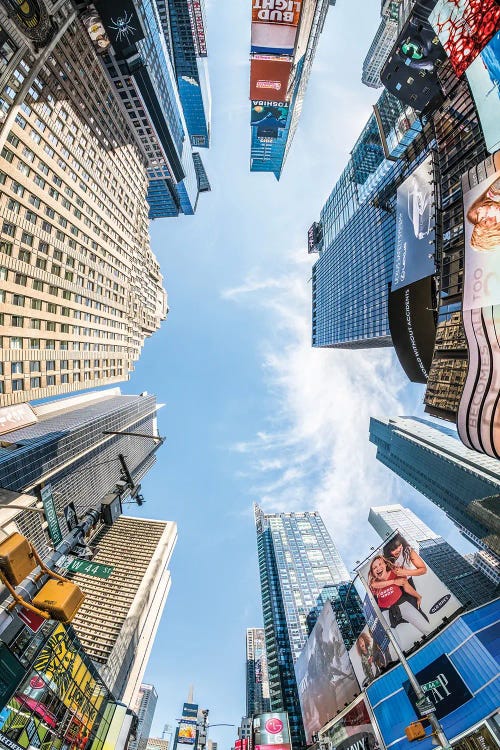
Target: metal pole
(436, 726)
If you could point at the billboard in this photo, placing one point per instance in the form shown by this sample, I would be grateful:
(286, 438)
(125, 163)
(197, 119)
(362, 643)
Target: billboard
(271, 731)
(412, 599)
(269, 76)
(95, 29)
(122, 23)
(443, 686)
(464, 27)
(187, 732)
(15, 417)
(484, 80)
(415, 227)
(413, 327)
(372, 652)
(268, 118)
(478, 419)
(353, 731)
(274, 26)
(325, 677)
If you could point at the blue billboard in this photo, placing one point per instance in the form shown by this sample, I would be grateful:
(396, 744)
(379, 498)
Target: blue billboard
(465, 659)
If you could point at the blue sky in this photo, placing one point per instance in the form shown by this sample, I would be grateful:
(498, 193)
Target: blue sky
(252, 412)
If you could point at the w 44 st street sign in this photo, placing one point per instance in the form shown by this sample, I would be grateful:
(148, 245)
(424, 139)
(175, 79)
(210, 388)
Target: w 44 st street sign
(87, 567)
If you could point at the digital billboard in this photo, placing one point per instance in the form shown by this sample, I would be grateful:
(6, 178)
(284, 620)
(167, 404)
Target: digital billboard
(415, 227)
(274, 26)
(325, 677)
(269, 75)
(412, 599)
(478, 419)
(464, 27)
(122, 23)
(484, 80)
(268, 118)
(353, 731)
(187, 732)
(95, 29)
(372, 652)
(412, 324)
(271, 731)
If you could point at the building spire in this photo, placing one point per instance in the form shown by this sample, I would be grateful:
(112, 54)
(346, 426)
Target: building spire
(191, 694)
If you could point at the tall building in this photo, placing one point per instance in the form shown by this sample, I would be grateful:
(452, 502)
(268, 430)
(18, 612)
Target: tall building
(431, 458)
(382, 44)
(119, 617)
(144, 706)
(350, 287)
(156, 67)
(157, 743)
(347, 607)
(273, 123)
(470, 586)
(79, 285)
(297, 558)
(258, 701)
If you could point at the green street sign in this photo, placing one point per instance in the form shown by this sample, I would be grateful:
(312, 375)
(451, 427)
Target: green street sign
(89, 568)
(430, 685)
(49, 507)
(425, 706)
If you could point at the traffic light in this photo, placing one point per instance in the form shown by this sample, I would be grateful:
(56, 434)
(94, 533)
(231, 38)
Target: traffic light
(415, 731)
(17, 560)
(61, 599)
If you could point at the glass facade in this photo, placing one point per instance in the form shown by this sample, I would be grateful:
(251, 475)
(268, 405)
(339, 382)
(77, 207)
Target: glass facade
(258, 701)
(348, 609)
(350, 279)
(297, 559)
(432, 459)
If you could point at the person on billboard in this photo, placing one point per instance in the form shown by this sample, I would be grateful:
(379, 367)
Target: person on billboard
(484, 215)
(371, 655)
(395, 596)
(407, 562)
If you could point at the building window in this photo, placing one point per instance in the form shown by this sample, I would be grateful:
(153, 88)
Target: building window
(35, 382)
(35, 366)
(51, 379)
(16, 368)
(18, 384)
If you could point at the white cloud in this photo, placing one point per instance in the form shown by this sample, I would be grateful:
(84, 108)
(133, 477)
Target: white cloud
(314, 453)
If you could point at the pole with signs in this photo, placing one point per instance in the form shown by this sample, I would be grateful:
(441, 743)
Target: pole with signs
(425, 706)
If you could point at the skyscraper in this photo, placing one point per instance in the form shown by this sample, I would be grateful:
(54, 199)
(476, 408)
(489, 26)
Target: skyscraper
(79, 284)
(348, 609)
(470, 586)
(382, 44)
(297, 558)
(431, 458)
(258, 701)
(119, 617)
(144, 706)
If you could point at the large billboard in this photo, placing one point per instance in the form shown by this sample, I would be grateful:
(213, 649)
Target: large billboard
(269, 75)
(415, 227)
(325, 677)
(412, 599)
(271, 731)
(122, 23)
(274, 26)
(372, 652)
(353, 731)
(268, 118)
(464, 27)
(484, 80)
(478, 419)
(95, 29)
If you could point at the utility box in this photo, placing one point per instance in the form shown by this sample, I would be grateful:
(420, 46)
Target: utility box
(16, 558)
(60, 599)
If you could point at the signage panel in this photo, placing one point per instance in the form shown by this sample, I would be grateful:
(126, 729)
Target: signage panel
(121, 22)
(271, 731)
(71, 516)
(484, 80)
(15, 417)
(95, 29)
(464, 27)
(89, 568)
(445, 689)
(187, 732)
(273, 39)
(354, 731)
(50, 514)
(269, 77)
(31, 619)
(268, 118)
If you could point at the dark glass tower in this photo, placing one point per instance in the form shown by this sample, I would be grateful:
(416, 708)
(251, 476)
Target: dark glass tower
(258, 701)
(297, 559)
(348, 609)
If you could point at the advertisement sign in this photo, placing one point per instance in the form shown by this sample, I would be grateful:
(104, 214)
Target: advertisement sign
(415, 227)
(484, 80)
(273, 39)
(464, 27)
(121, 22)
(276, 12)
(271, 731)
(372, 652)
(442, 685)
(95, 29)
(269, 78)
(353, 731)
(49, 508)
(187, 732)
(15, 417)
(325, 677)
(89, 568)
(30, 618)
(478, 419)
(411, 597)
(268, 118)
(413, 327)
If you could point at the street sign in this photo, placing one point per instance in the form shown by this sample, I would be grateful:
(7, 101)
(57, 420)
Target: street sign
(89, 568)
(425, 706)
(50, 514)
(71, 516)
(31, 619)
(430, 685)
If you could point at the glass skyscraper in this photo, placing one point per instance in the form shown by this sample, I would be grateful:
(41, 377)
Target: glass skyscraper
(297, 559)
(470, 586)
(144, 707)
(432, 459)
(258, 701)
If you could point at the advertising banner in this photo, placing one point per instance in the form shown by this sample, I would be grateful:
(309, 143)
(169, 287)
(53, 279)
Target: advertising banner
(268, 118)
(484, 80)
(478, 419)
(269, 77)
(121, 22)
(273, 39)
(415, 227)
(411, 597)
(413, 327)
(354, 731)
(271, 731)
(187, 732)
(276, 12)
(464, 27)
(325, 677)
(442, 684)
(95, 29)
